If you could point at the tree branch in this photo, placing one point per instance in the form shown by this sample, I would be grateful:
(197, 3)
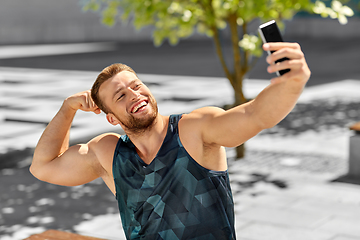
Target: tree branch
(220, 54)
(235, 47)
(246, 52)
(253, 63)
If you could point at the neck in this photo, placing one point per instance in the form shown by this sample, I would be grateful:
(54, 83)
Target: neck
(148, 142)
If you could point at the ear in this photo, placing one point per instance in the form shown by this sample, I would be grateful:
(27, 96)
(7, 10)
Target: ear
(112, 119)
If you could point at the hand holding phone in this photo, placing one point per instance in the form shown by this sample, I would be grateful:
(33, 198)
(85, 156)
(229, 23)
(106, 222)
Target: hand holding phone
(269, 32)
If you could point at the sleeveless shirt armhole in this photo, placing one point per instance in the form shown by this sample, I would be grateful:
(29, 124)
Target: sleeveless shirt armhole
(114, 163)
(211, 172)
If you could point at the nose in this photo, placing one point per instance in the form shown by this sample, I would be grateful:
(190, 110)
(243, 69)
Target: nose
(134, 94)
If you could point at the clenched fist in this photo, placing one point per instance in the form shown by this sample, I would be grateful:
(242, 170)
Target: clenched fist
(82, 101)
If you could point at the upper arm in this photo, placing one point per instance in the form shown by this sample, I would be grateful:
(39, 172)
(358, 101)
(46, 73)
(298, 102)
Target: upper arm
(79, 164)
(227, 128)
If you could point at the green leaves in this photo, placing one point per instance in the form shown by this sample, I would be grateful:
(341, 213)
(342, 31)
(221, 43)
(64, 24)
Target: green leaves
(252, 44)
(337, 10)
(92, 5)
(110, 13)
(174, 20)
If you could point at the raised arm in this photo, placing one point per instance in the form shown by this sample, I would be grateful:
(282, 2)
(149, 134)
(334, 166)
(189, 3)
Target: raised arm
(237, 125)
(53, 160)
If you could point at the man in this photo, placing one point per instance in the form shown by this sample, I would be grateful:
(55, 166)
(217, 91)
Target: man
(168, 173)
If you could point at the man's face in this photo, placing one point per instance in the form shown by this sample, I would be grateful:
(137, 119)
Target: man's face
(131, 103)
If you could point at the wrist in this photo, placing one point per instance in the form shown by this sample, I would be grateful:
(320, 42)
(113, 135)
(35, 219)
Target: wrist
(67, 106)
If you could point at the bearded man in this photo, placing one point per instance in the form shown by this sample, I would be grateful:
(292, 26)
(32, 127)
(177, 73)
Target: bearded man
(168, 173)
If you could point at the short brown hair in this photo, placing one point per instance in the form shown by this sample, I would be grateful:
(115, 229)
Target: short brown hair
(104, 75)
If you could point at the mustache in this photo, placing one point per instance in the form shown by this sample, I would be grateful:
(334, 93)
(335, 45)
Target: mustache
(137, 126)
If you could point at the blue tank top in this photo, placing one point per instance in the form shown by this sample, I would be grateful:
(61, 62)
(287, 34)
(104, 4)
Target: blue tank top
(173, 197)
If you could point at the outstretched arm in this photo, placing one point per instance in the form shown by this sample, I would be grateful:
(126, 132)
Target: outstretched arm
(235, 126)
(53, 160)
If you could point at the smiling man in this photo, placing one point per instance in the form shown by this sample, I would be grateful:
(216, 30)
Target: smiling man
(168, 173)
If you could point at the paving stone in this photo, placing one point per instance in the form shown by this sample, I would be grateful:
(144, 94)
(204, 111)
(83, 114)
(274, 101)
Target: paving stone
(346, 89)
(21, 141)
(342, 225)
(104, 226)
(285, 217)
(19, 74)
(262, 231)
(240, 224)
(273, 200)
(344, 238)
(13, 104)
(317, 205)
(35, 116)
(335, 192)
(8, 129)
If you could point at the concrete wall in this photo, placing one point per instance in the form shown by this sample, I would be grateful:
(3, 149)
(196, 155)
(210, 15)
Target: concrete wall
(323, 27)
(51, 21)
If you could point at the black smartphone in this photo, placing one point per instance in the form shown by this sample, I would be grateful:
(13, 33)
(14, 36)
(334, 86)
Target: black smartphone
(269, 32)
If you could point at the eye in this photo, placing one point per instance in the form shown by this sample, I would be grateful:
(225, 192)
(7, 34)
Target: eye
(121, 96)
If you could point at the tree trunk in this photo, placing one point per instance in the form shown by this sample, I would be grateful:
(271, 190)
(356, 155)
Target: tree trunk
(236, 77)
(240, 151)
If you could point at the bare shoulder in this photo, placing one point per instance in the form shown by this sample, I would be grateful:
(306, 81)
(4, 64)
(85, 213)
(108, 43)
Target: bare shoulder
(200, 117)
(207, 111)
(193, 128)
(105, 138)
(103, 146)
(203, 114)
(194, 125)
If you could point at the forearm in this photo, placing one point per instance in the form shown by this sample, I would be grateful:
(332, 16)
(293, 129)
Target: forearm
(275, 102)
(55, 139)
(280, 97)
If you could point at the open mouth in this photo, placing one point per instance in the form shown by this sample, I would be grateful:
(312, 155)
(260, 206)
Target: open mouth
(140, 106)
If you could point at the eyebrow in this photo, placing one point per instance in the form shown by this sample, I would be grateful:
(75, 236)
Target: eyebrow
(121, 88)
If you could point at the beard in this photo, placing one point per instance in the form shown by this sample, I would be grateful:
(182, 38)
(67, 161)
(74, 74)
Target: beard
(136, 126)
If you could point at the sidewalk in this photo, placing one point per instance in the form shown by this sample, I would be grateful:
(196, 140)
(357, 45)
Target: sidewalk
(282, 202)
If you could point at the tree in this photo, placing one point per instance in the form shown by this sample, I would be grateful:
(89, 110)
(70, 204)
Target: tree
(178, 19)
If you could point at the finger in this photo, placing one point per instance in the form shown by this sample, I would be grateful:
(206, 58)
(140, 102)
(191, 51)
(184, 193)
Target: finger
(95, 108)
(86, 102)
(92, 104)
(284, 52)
(288, 64)
(274, 46)
(97, 111)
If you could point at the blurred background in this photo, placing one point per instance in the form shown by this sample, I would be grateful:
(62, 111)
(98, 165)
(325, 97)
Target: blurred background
(50, 49)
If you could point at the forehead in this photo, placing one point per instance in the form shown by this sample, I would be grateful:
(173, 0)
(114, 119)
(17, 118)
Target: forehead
(122, 79)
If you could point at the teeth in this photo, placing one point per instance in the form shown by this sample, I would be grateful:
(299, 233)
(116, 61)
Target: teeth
(139, 106)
